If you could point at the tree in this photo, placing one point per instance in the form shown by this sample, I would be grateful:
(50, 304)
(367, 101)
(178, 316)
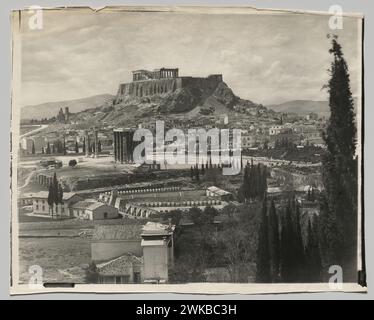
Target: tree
(288, 262)
(33, 147)
(99, 146)
(339, 215)
(197, 173)
(53, 149)
(60, 196)
(263, 253)
(50, 198)
(55, 191)
(274, 242)
(72, 163)
(64, 146)
(84, 145)
(48, 150)
(299, 255)
(192, 173)
(313, 255)
(76, 147)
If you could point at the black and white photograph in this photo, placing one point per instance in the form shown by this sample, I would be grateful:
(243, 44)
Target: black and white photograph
(187, 149)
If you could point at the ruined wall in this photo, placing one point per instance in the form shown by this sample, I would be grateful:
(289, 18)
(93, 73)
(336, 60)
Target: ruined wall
(161, 86)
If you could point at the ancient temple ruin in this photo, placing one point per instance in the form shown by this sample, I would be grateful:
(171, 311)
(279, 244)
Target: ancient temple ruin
(163, 80)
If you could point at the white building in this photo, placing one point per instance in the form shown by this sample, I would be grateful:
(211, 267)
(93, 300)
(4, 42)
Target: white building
(94, 210)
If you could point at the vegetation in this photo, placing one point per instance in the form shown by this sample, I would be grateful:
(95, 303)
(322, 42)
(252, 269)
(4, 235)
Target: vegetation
(338, 223)
(55, 194)
(254, 185)
(72, 163)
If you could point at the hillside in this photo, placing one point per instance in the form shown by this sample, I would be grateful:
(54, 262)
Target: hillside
(50, 109)
(302, 107)
(193, 103)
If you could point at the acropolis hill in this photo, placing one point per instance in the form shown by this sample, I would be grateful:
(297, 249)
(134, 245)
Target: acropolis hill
(165, 80)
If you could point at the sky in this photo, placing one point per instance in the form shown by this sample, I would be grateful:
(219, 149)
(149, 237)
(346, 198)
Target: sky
(266, 58)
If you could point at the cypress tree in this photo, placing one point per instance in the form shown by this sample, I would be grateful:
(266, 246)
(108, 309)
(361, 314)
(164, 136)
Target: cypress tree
(312, 254)
(76, 147)
(287, 264)
(33, 147)
(55, 190)
(274, 242)
(299, 246)
(60, 195)
(263, 269)
(50, 198)
(84, 145)
(340, 170)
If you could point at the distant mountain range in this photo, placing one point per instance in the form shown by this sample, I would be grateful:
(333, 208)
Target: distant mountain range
(50, 109)
(302, 107)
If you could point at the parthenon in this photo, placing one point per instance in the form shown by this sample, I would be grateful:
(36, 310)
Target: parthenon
(163, 73)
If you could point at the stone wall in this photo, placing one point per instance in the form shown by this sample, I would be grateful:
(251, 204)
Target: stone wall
(161, 86)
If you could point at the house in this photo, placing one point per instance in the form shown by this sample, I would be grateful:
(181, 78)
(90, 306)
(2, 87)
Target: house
(127, 268)
(219, 193)
(40, 204)
(94, 210)
(133, 253)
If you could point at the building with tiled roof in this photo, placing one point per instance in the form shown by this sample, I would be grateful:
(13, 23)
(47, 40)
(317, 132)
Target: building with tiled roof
(41, 207)
(133, 253)
(94, 210)
(127, 268)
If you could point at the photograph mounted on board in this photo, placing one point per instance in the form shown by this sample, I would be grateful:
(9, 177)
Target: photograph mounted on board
(187, 149)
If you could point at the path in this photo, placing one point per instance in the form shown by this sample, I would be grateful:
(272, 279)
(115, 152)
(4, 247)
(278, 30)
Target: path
(30, 133)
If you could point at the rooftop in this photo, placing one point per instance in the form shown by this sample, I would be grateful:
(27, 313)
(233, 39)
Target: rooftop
(89, 204)
(44, 195)
(131, 232)
(119, 266)
(117, 232)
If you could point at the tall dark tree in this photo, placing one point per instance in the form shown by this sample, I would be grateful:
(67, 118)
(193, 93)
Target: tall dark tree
(299, 254)
(50, 198)
(48, 150)
(197, 173)
(274, 242)
(33, 147)
(99, 146)
(53, 149)
(288, 270)
(202, 169)
(55, 190)
(263, 269)
(339, 217)
(312, 254)
(84, 145)
(76, 147)
(64, 146)
(60, 196)
(192, 173)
